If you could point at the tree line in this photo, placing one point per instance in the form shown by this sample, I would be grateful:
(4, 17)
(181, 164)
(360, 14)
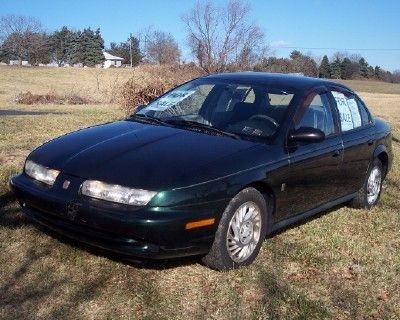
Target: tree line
(220, 38)
(339, 66)
(22, 39)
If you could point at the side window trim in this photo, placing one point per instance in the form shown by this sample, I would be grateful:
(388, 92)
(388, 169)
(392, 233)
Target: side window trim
(370, 117)
(335, 112)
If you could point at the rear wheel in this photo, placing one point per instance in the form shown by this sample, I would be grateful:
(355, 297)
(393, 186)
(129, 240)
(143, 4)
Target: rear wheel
(369, 194)
(240, 233)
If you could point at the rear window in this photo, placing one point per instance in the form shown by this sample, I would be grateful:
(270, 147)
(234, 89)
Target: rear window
(280, 99)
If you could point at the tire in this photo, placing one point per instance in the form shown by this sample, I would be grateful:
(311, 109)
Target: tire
(368, 196)
(243, 227)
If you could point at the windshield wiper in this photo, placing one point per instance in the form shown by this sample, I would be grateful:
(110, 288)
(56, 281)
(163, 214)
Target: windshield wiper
(148, 119)
(198, 125)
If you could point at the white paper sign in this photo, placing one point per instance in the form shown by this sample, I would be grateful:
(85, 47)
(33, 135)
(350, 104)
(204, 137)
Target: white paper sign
(355, 112)
(346, 119)
(169, 100)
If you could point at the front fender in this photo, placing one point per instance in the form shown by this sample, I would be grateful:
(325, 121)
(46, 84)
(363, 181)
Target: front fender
(216, 191)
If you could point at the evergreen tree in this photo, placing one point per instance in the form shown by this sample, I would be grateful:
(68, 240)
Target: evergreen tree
(295, 54)
(379, 74)
(92, 44)
(363, 68)
(371, 72)
(97, 48)
(75, 48)
(346, 71)
(336, 68)
(324, 70)
(59, 44)
(301, 63)
(86, 47)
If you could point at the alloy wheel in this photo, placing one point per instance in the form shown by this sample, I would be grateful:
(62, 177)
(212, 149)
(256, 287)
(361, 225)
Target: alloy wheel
(374, 184)
(244, 232)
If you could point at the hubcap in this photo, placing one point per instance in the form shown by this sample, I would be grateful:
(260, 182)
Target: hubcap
(374, 185)
(244, 232)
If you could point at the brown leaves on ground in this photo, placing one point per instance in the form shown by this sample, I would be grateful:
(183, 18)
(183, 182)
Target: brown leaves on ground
(50, 98)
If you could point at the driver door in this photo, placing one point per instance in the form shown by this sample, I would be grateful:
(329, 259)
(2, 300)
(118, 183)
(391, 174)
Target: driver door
(314, 167)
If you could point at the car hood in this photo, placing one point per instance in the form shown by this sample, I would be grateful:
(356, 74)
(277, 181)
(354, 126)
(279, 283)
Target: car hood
(151, 157)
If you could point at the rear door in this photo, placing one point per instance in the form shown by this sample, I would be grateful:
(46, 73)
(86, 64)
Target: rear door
(314, 167)
(357, 133)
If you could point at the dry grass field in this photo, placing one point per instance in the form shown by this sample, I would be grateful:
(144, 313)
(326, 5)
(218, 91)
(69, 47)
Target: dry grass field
(341, 265)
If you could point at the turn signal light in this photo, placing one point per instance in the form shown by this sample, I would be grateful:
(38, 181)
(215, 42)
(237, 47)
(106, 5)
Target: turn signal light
(200, 223)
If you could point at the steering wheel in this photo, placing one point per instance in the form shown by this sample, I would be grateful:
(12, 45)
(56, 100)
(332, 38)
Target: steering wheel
(262, 117)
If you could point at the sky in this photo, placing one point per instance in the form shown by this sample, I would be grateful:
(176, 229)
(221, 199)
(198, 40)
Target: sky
(370, 27)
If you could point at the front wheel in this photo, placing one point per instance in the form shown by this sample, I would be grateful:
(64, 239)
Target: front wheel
(370, 193)
(240, 233)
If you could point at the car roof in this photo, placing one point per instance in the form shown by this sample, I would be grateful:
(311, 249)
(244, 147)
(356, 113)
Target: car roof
(275, 79)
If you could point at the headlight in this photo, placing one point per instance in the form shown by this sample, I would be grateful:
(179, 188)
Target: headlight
(116, 193)
(41, 173)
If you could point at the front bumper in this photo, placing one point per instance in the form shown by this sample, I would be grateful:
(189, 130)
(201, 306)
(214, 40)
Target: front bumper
(145, 232)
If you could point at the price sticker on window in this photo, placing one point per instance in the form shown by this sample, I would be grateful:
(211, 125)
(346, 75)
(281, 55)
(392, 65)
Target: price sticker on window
(169, 100)
(355, 113)
(346, 119)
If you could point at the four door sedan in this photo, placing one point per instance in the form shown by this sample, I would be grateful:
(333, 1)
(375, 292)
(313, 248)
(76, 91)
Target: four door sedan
(210, 168)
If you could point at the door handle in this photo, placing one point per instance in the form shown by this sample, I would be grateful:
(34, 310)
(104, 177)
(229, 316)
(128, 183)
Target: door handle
(371, 142)
(336, 153)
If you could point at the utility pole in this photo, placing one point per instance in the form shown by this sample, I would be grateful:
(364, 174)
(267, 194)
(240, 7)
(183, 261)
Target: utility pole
(130, 47)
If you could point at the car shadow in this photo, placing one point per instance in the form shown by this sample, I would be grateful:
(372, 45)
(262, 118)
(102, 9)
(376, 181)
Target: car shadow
(138, 263)
(6, 199)
(15, 221)
(305, 220)
(14, 112)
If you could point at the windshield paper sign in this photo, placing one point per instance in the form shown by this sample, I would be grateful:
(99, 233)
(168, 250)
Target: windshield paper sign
(355, 113)
(346, 118)
(169, 100)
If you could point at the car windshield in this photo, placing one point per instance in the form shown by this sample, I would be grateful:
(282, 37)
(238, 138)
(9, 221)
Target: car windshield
(223, 107)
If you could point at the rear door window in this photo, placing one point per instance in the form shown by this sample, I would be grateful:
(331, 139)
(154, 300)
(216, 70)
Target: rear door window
(349, 112)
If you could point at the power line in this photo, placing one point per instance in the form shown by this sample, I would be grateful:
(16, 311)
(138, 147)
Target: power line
(339, 49)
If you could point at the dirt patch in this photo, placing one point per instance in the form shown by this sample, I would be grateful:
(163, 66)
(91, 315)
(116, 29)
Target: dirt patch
(30, 98)
(13, 158)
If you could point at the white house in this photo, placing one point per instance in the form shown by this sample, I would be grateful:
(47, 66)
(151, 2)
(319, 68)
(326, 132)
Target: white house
(111, 60)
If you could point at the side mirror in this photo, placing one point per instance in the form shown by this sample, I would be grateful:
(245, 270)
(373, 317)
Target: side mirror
(307, 134)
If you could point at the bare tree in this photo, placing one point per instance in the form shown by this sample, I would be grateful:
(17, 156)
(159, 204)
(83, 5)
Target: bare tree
(396, 76)
(162, 48)
(144, 35)
(18, 24)
(18, 35)
(223, 37)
